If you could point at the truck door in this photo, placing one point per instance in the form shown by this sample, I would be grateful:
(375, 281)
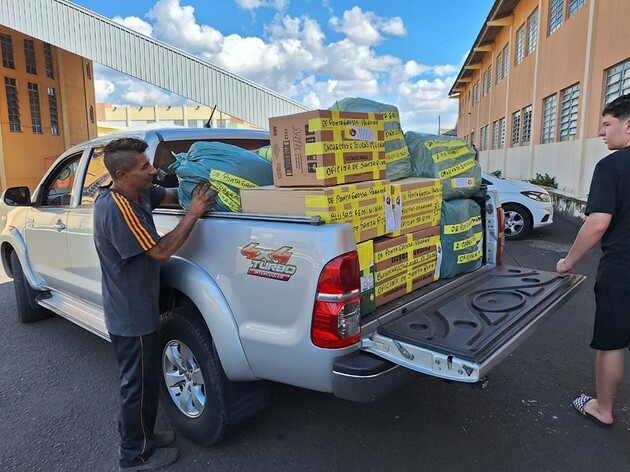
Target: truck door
(468, 325)
(45, 229)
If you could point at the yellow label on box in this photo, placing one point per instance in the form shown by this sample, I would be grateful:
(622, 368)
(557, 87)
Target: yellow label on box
(407, 247)
(336, 122)
(343, 170)
(392, 134)
(473, 256)
(326, 147)
(393, 156)
(469, 242)
(434, 143)
(450, 154)
(391, 116)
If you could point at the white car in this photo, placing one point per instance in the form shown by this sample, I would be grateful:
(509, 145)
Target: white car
(526, 205)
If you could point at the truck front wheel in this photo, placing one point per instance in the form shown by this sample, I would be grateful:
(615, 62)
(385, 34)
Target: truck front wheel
(28, 310)
(201, 402)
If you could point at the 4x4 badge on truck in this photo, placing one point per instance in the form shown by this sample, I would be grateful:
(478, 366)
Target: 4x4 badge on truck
(269, 263)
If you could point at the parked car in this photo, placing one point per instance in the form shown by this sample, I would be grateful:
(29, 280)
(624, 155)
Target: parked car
(526, 205)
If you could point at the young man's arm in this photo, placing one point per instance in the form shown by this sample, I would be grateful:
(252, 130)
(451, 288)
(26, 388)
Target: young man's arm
(591, 231)
(201, 200)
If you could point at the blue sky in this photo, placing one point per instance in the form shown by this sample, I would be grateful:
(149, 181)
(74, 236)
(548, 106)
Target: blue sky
(406, 53)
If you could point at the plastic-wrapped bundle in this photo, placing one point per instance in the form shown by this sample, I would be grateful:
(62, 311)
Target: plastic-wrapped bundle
(447, 158)
(461, 234)
(397, 159)
(227, 168)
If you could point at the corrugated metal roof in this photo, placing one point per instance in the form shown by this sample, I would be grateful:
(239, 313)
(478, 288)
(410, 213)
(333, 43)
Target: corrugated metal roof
(88, 34)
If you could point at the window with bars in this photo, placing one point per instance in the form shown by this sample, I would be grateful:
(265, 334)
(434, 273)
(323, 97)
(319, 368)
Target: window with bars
(617, 81)
(495, 135)
(574, 6)
(532, 31)
(52, 110)
(6, 44)
(36, 112)
(178, 122)
(549, 119)
(487, 80)
(476, 92)
(193, 123)
(499, 67)
(502, 133)
(88, 71)
(48, 57)
(29, 56)
(526, 133)
(485, 137)
(516, 127)
(556, 14)
(91, 114)
(569, 112)
(520, 44)
(13, 104)
(506, 59)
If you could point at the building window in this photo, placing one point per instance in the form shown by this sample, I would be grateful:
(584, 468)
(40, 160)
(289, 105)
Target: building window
(501, 133)
(6, 44)
(527, 126)
(13, 104)
(617, 81)
(487, 80)
(495, 135)
(574, 6)
(532, 31)
(178, 122)
(506, 60)
(499, 67)
(36, 112)
(516, 127)
(50, 72)
(520, 44)
(568, 113)
(193, 123)
(556, 14)
(476, 92)
(484, 137)
(549, 119)
(52, 109)
(29, 56)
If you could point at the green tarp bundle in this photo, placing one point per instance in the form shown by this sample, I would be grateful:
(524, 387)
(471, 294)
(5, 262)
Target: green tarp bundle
(447, 158)
(397, 160)
(461, 234)
(227, 168)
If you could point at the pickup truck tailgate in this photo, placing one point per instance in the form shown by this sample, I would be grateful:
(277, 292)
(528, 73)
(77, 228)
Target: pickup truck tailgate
(461, 333)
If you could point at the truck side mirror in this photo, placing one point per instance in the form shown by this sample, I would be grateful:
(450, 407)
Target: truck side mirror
(17, 196)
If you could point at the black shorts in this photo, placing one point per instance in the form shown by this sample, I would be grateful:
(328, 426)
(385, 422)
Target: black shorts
(612, 318)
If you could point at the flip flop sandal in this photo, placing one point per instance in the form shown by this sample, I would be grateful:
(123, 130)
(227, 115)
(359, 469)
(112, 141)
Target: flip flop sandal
(579, 403)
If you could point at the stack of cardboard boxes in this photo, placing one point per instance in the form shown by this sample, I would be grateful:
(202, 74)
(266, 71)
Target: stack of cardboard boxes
(332, 164)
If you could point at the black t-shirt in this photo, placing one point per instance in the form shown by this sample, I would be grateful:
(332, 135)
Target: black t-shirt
(123, 232)
(610, 193)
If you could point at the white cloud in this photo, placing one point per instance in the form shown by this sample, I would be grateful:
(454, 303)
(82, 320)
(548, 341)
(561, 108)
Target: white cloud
(104, 90)
(135, 23)
(295, 58)
(365, 28)
(255, 4)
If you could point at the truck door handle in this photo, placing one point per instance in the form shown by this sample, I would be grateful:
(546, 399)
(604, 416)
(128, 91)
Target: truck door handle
(59, 225)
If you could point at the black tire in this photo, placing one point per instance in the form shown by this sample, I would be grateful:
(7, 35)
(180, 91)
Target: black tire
(518, 222)
(225, 404)
(28, 310)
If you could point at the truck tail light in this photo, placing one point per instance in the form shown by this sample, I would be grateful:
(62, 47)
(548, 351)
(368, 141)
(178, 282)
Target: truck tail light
(337, 311)
(501, 238)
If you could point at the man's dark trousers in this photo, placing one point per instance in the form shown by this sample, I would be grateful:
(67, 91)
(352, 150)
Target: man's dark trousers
(138, 362)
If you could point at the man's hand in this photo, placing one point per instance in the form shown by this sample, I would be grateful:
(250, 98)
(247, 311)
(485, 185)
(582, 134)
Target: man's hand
(202, 199)
(563, 268)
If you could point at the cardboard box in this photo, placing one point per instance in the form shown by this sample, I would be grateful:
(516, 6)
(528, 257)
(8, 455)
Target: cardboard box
(326, 147)
(366, 266)
(405, 263)
(361, 204)
(416, 203)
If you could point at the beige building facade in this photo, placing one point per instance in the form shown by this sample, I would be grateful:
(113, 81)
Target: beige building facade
(532, 89)
(47, 104)
(111, 118)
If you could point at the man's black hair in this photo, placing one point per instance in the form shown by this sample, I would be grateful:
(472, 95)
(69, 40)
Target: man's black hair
(619, 107)
(121, 154)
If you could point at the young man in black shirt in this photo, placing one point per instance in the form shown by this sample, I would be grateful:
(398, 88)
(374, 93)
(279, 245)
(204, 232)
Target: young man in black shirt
(608, 219)
(130, 252)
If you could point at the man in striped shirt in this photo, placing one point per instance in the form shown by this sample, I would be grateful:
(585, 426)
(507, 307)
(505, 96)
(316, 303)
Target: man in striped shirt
(130, 252)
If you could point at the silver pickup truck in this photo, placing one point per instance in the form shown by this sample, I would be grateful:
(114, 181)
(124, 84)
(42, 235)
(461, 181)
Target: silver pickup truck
(251, 298)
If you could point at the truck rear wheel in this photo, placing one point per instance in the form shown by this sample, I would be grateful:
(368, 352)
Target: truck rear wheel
(28, 310)
(201, 402)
